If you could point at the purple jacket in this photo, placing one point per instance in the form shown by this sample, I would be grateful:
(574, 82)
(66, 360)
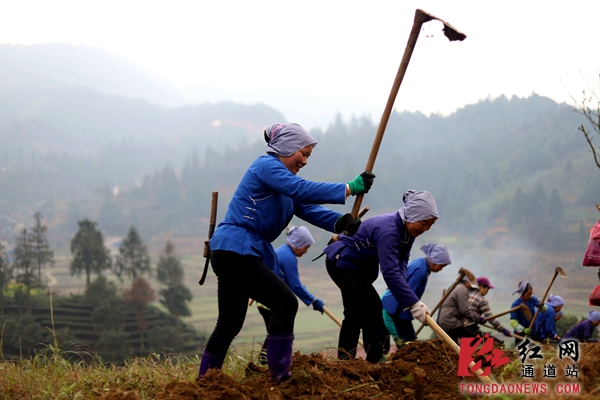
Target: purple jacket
(582, 331)
(382, 242)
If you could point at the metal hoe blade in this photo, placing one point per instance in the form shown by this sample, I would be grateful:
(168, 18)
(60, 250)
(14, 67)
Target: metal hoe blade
(451, 32)
(562, 273)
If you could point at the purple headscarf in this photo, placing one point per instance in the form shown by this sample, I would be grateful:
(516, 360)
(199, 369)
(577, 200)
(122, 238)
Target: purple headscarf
(437, 253)
(286, 139)
(555, 301)
(594, 315)
(418, 206)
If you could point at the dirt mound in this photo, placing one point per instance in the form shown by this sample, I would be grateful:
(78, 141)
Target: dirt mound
(588, 365)
(425, 370)
(420, 370)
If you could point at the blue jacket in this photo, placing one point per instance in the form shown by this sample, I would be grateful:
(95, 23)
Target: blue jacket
(418, 274)
(518, 315)
(545, 325)
(266, 199)
(382, 242)
(287, 270)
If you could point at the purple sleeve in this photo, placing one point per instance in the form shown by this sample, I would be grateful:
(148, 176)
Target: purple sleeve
(394, 268)
(588, 332)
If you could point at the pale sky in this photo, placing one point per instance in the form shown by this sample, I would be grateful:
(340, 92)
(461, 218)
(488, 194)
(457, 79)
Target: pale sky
(344, 51)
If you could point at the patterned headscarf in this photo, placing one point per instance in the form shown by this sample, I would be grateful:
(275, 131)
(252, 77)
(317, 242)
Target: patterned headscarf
(286, 139)
(594, 315)
(523, 286)
(418, 206)
(437, 253)
(299, 237)
(555, 301)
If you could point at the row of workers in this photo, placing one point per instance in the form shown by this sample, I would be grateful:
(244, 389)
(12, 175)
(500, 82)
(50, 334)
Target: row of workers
(269, 195)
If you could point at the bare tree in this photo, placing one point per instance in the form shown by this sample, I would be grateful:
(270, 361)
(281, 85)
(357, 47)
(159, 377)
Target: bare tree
(138, 295)
(589, 106)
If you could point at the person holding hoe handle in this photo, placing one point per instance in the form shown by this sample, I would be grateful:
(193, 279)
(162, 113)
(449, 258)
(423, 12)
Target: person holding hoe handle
(583, 331)
(353, 262)
(545, 324)
(398, 322)
(481, 307)
(242, 257)
(297, 244)
(518, 320)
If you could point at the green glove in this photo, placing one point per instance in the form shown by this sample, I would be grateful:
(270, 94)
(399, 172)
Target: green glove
(362, 183)
(527, 331)
(347, 224)
(544, 308)
(514, 323)
(399, 342)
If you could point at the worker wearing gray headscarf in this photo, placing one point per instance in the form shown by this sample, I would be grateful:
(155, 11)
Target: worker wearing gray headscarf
(583, 331)
(299, 237)
(353, 262)
(518, 320)
(298, 241)
(437, 253)
(242, 256)
(398, 322)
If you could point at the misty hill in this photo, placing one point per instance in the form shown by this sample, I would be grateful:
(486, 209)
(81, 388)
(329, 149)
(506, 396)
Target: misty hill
(518, 160)
(79, 142)
(80, 100)
(38, 70)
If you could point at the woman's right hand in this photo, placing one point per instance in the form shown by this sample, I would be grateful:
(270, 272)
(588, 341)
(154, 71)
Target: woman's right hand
(418, 311)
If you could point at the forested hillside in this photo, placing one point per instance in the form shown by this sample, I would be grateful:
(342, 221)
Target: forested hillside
(82, 145)
(500, 160)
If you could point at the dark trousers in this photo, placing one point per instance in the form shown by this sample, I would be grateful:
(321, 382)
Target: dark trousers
(362, 311)
(267, 315)
(405, 328)
(461, 331)
(239, 279)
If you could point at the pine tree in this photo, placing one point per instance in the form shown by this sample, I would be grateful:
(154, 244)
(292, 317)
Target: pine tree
(42, 254)
(24, 265)
(170, 273)
(168, 269)
(88, 251)
(5, 276)
(133, 258)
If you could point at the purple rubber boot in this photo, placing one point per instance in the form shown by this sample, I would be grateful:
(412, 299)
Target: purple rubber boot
(279, 356)
(209, 361)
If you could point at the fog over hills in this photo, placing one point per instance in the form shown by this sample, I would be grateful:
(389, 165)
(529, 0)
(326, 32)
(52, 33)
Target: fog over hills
(73, 133)
(33, 70)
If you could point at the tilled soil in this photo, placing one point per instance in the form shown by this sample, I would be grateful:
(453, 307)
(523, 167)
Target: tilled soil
(420, 370)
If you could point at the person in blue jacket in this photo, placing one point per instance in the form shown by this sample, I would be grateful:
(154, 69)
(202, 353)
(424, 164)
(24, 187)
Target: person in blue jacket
(583, 331)
(298, 242)
(398, 322)
(353, 263)
(518, 320)
(545, 323)
(242, 256)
